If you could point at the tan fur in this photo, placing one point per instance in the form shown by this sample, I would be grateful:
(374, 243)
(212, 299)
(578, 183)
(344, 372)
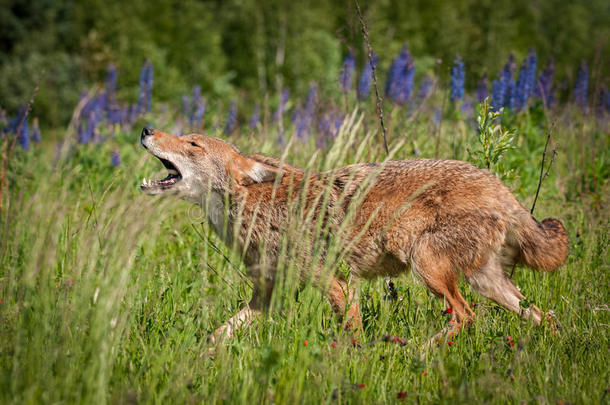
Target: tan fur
(438, 217)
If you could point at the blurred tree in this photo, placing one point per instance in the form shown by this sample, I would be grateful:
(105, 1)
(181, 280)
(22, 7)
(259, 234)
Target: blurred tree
(257, 45)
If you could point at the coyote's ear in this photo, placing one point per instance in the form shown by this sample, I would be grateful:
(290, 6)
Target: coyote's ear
(248, 171)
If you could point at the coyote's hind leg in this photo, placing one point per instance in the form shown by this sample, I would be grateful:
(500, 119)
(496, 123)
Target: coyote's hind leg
(439, 276)
(491, 282)
(344, 301)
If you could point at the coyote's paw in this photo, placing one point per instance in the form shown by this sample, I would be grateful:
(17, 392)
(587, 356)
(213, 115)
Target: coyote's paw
(222, 333)
(551, 319)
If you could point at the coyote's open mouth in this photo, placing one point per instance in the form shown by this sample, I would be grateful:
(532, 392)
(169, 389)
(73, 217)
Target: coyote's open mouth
(168, 182)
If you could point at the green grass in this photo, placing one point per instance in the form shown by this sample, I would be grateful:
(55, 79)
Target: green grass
(107, 296)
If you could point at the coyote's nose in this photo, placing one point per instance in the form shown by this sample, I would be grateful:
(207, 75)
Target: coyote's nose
(147, 132)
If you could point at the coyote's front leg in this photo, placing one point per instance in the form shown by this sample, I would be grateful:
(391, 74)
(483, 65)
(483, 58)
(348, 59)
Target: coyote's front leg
(261, 296)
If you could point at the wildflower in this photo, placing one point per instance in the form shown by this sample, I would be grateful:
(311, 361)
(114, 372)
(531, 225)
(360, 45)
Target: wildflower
(330, 123)
(115, 158)
(457, 79)
(472, 304)
(425, 87)
(333, 344)
(498, 90)
(450, 343)
(448, 310)
(424, 373)
(186, 106)
(305, 343)
(145, 88)
(544, 82)
(401, 395)
(198, 108)
(297, 121)
(518, 98)
(231, 124)
(582, 84)
(82, 135)
(503, 86)
(255, 117)
(20, 127)
(481, 91)
(361, 385)
(355, 343)
(399, 84)
(366, 77)
(347, 72)
(531, 62)
(310, 105)
(36, 137)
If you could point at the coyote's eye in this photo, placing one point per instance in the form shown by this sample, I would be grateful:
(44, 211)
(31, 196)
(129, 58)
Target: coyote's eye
(194, 144)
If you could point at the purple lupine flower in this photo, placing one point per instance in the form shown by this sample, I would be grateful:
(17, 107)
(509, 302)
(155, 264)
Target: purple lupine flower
(299, 121)
(115, 158)
(231, 124)
(145, 88)
(21, 127)
(133, 113)
(281, 108)
(531, 63)
(407, 84)
(395, 72)
(507, 78)
(457, 79)
(425, 87)
(36, 136)
(582, 85)
(198, 108)
(255, 118)
(347, 72)
(544, 83)
(114, 112)
(330, 123)
(498, 90)
(310, 105)
(83, 136)
(481, 91)
(366, 77)
(186, 103)
(91, 125)
(399, 85)
(518, 97)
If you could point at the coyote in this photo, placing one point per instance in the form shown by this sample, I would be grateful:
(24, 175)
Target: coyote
(439, 218)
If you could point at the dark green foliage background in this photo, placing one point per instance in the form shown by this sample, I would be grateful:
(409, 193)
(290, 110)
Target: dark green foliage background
(238, 44)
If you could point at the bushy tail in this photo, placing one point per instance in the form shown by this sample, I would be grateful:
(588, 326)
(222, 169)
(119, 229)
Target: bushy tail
(543, 245)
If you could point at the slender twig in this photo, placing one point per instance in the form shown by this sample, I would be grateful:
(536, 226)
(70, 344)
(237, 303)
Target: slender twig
(370, 57)
(542, 173)
(226, 259)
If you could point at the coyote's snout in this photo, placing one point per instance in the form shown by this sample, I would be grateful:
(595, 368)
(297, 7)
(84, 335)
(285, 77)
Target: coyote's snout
(437, 217)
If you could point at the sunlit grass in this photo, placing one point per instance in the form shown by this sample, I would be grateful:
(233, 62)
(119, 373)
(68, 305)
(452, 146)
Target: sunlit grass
(109, 295)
